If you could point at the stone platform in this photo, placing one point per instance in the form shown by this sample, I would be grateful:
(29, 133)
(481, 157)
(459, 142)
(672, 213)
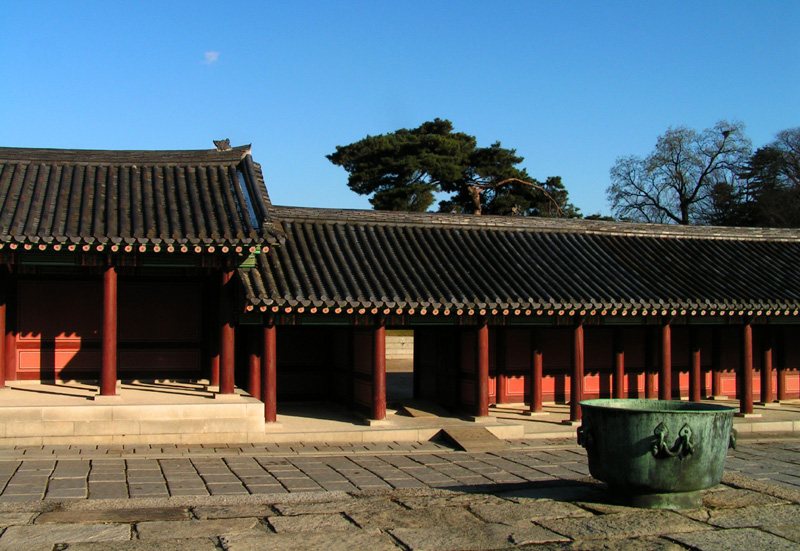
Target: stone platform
(142, 412)
(168, 412)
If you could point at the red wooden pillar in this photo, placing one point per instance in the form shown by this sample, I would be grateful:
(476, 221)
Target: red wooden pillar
(695, 369)
(536, 371)
(108, 373)
(746, 371)
(649, 364)
(226, 382)
(10, 357)
(215, 337)
(214, 333)
(214, 381)
(766, 365)
(576, 381)
(665, 373)
(9, 337)
(781, 354)
(2, 333)
(619, 362)
(254, 362)
(482, 370)
(269, 364)
(379, 372)
(716, 362)
(500, 368)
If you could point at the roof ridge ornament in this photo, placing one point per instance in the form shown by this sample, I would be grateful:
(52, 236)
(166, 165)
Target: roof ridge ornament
(223, 145)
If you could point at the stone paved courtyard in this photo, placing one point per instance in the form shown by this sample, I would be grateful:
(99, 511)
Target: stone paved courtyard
(535, 495)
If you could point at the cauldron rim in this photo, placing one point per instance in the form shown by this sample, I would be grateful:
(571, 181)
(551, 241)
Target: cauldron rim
(646, 405)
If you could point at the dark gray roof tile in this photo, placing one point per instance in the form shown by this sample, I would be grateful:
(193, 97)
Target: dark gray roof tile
(203, 198)
(404, 260)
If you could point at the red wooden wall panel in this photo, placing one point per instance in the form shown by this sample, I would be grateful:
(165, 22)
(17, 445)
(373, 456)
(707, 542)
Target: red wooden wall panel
(363, 359)
(362, 351)
(60, 328)
(50, 311)
(314, 363)
(157, 312)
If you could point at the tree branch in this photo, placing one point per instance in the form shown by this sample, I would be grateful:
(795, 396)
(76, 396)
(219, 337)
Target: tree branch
(475, 191)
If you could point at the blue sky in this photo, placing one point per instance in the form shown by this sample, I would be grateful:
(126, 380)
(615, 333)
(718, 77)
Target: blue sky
(570, 85)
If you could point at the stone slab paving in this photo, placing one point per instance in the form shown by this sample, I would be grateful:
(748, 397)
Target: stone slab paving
(735, 540)
(194, 544)
(191, 528)
(297, 497)
(128, 515)
(471, 537)
(38, 537)
(415, 520)
(335, 541)
(243, 470)
(777, 515)
(623, 525)
(318, 523)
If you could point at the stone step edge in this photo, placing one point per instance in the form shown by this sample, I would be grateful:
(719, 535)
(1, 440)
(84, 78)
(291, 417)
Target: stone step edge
(82, 429)
(376, 435)
(123, 412)
(402, 435)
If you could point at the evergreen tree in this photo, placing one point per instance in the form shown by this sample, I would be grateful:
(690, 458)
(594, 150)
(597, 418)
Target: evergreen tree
(403, 170)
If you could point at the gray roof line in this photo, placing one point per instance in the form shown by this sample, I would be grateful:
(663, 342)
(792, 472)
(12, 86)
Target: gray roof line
(100, 156)
(520, 223)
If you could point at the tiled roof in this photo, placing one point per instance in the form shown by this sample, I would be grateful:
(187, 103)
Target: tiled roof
(384, 261)
(148, 200)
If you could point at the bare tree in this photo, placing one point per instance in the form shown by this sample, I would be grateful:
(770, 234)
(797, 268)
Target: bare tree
(677, 181)
(773, 190)
(788, 143)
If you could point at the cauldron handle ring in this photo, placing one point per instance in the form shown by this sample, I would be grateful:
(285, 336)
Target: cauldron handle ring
(585, 437)
(683, 445)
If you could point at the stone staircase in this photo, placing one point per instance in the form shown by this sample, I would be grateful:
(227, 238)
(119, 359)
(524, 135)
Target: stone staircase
(105, 424)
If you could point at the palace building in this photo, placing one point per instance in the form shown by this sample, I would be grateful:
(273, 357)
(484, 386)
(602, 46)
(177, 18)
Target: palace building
(139, 265)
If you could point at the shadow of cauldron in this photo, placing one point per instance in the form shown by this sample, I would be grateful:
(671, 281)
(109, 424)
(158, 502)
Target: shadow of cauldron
(656, 454)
